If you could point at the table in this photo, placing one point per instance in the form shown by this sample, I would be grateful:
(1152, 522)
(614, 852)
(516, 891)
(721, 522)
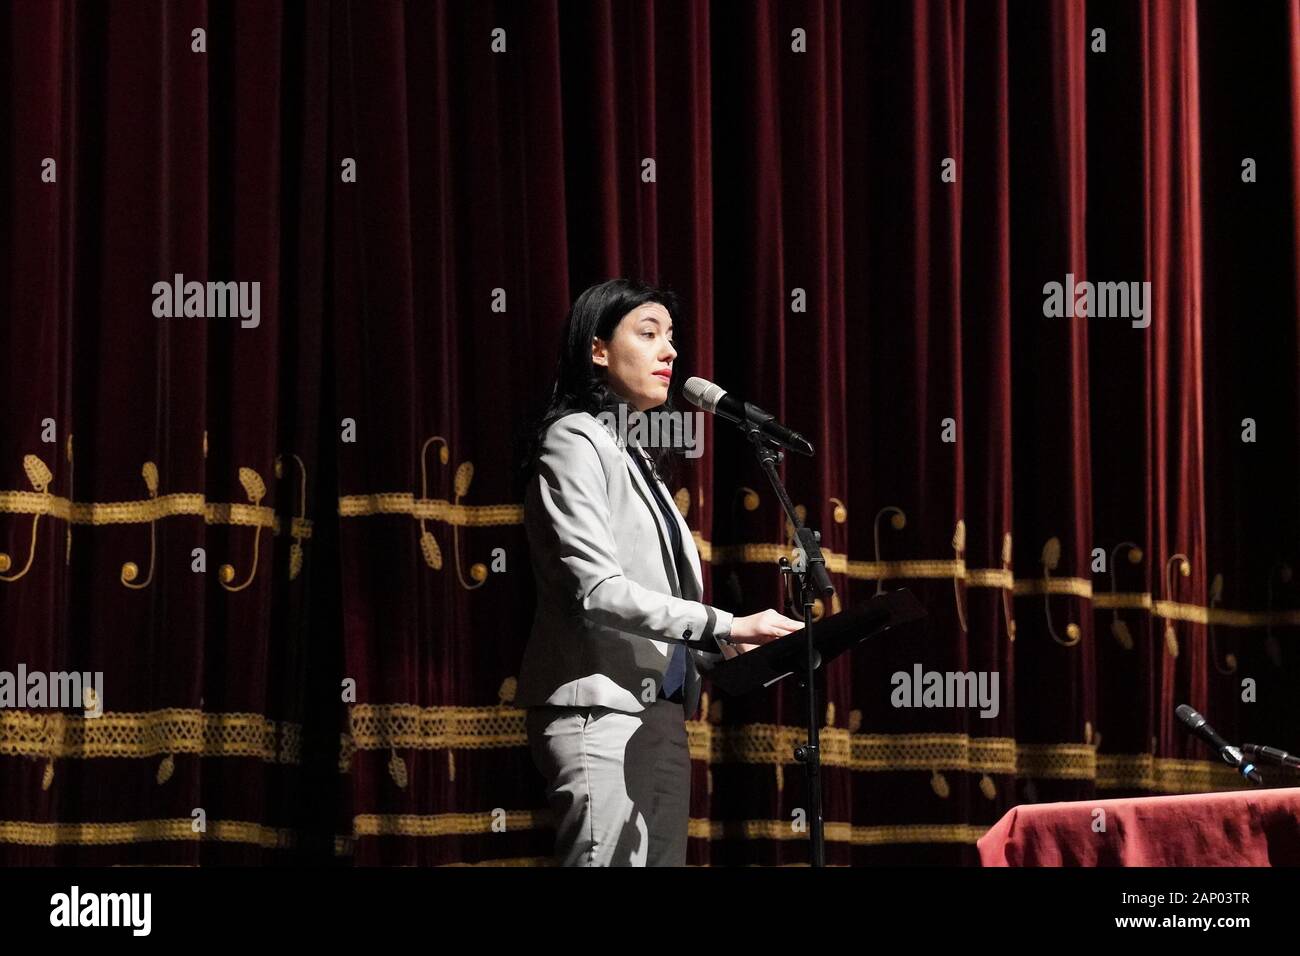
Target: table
(1236, 828)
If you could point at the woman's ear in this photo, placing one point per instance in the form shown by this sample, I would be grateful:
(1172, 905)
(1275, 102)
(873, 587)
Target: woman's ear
(599, 352)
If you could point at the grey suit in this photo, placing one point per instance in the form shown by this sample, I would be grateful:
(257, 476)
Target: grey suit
(612, 601)
(606, 580)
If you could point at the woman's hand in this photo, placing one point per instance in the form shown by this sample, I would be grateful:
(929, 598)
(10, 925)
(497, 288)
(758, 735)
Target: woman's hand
(761, 628)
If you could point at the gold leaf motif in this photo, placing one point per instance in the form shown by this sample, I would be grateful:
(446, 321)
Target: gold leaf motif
(830, 713)
(397, 770)
(150, 474)
(898, 521)
(1006, 548)
(1052, 553)
(506, 693)
(939, 784)
(37, 473)
(841, 513)
(478, 571)
(451, 764)
(464, 475)
(987, 787)
(1171, 641)
(780, 778)
(683, 501)
(959, 536)
(295, 560)
(855, 721)
(47, 778)
(443, 455)
(432, 553)
(1134, 555)
(254, 487)
(750, 501)
(1231, 660)
(165, 769)
(1087, 731)
(1119, 630)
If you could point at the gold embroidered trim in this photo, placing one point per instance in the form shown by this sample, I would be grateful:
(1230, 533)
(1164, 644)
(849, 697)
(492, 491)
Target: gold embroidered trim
(837, 832)
(1121, 601)
(1171, 775)
(141, 831)
(384, 726)
(61, 735)
(407, 726)
(437, 509)
(1056, 761)
(138, 512)
(462, 824)
(1078, 587)
(874, 570)
(445, 824)
(990, 578)
(405, 503)
(510, 861)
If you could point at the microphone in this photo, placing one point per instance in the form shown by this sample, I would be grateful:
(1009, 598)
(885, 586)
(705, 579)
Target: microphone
(1230, 754)
(717, 401)
(1270, 754)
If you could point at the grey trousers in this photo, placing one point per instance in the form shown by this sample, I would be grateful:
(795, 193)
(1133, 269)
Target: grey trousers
(619, 784)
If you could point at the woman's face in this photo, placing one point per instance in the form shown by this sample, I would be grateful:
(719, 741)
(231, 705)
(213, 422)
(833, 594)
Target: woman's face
(638, 359)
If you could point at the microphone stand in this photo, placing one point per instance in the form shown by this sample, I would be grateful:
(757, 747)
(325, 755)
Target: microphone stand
(809, 572)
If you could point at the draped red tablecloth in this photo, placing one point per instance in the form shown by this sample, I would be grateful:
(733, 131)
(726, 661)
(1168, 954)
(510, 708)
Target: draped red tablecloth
(1239, 828)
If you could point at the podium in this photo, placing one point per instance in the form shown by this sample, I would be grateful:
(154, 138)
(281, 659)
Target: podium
(832, 636)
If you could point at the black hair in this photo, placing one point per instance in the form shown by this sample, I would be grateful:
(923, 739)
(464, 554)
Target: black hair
(580, 385)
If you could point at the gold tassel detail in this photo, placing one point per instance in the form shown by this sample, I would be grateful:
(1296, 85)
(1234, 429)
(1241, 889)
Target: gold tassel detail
(939, 784)
(506, 693)
(397, 769)
(987, 787)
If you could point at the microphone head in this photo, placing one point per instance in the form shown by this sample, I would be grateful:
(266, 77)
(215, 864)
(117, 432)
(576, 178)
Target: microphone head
(1189, 716)
(702, 393)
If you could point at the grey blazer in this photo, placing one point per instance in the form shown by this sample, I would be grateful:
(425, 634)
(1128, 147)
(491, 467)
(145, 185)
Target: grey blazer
(607, 613)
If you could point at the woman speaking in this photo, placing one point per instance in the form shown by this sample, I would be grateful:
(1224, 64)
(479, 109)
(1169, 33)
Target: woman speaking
(611, 670)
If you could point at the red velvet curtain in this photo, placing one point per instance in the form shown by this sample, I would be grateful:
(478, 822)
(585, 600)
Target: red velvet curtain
(860, 205)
